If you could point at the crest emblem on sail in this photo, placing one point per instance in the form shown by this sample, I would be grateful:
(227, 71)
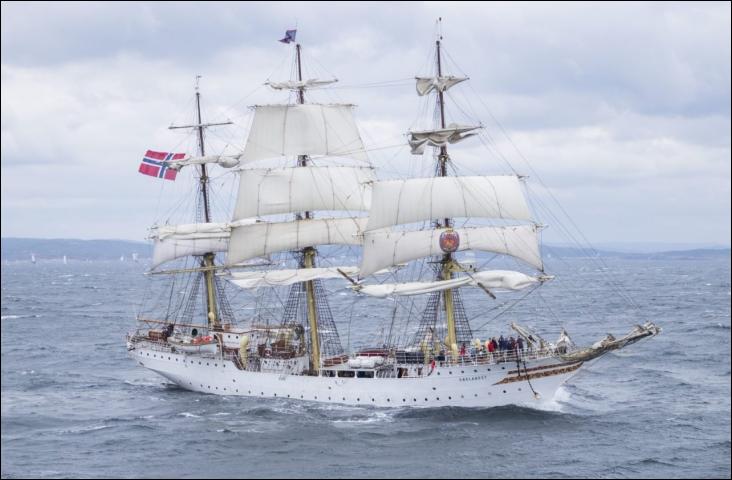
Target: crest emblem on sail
(449, 241)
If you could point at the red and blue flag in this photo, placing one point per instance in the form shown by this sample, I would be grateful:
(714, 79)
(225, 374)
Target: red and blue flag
(157, 164)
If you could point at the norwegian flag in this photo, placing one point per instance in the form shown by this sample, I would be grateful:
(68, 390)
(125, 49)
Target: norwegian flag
(156, 164)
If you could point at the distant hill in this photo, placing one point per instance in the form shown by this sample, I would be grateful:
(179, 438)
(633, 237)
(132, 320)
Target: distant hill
(56, 248)
(674, 254)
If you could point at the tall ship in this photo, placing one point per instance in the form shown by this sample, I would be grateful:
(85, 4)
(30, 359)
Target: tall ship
(411, 242)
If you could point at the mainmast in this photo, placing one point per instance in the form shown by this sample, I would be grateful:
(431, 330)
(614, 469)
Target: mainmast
(308, 253)
(447, 260)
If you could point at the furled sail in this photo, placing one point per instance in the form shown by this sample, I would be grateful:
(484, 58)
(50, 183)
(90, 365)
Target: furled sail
(385, 248)
(298, 84)
(298, 189)
(307, 129)
(263, 238)
(426, 84)
(226, 161)
(278, 278)
(395, 202)
(176, 241)
(490, 279)
(439, 138)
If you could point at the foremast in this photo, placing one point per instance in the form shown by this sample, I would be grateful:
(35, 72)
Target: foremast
(389, 242)
(447, 260)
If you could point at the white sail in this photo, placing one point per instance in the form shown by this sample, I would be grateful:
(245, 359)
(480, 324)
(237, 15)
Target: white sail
(298, 84)
(439, 138)
(385, 248)
(172, 248)
(426, 84)
(278, 278)
(289, 190)
(264, 238)
(176, 241)
(309, 129)
(490, 279)
(396, 202)
(226, 161)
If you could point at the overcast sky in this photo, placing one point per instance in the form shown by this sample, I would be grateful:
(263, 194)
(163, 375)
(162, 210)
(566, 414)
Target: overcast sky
(622, 110)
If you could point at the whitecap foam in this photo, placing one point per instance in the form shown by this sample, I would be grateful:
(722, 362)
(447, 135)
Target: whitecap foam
(13, 317)
(189, 415)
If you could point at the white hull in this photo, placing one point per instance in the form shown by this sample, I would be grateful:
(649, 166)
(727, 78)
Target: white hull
(456, 385)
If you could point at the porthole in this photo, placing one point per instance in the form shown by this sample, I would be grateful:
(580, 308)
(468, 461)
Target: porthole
(388, 400)
(476, 394)
(404, 399)
(358, 399)
(450, 373)
(504, 391)
(449, 398)
(438, 399)
(519, 389)
(328, 398)
(434, 388)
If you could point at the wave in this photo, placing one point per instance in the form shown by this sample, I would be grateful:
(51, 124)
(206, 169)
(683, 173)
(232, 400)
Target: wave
(85, 429)
(13, 317)
(189, 415)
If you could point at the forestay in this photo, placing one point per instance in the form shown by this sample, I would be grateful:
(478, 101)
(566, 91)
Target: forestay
(298, 189)
(383, 249)
(489, 279)
(264, 238)
(396, 202)
(307, 129)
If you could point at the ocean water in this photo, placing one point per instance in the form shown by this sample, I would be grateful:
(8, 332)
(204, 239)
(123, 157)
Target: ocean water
(74, 404)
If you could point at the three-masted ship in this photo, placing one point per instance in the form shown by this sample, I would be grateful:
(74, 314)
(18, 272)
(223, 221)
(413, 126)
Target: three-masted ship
(328, 194)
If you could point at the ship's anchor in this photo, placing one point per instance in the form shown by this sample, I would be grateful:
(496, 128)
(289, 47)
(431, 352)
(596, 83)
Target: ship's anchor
(537, 396)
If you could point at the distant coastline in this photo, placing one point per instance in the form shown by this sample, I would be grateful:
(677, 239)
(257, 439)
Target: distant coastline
(15, 249)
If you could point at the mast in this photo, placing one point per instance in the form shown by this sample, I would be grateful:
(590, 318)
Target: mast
(308, 254)
(207, 262)
(447, 260)
(208, 258)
